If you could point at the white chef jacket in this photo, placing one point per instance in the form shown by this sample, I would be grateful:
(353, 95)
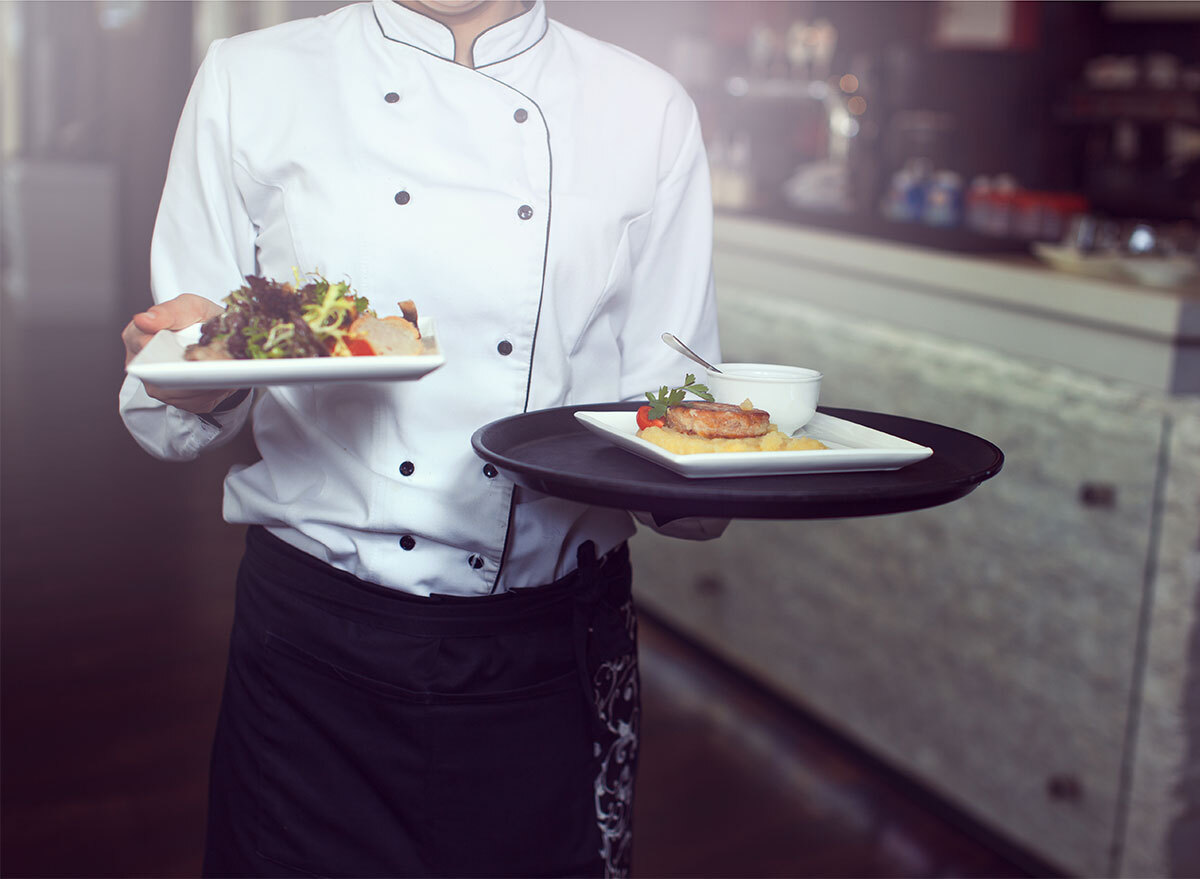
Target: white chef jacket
(549, 208)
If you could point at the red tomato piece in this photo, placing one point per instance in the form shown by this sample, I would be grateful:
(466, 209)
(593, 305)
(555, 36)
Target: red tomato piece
(644, 420)
(359, 347)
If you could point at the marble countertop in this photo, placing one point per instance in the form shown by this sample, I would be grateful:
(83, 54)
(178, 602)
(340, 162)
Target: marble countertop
(1146, 336)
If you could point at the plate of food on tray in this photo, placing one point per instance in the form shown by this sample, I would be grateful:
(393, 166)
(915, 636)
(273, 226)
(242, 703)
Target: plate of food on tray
(273, 333)
(710, 437)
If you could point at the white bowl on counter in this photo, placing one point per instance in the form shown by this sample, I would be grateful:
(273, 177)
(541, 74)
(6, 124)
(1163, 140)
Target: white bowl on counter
(1149, 271)
(1166, 271)
(788, 393)
(1069, 259)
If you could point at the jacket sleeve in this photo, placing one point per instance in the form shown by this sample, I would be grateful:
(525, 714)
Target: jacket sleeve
(672, 275)
(674, 290)
(203, 243)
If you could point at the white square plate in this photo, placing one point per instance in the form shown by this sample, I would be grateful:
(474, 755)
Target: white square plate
(161, 363)
(852, 448)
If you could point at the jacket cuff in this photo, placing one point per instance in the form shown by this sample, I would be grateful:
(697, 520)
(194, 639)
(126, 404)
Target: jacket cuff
(229, 403)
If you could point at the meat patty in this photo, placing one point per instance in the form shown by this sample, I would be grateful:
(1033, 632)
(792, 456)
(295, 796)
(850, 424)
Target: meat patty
(387, 335)
(717, 420)
(218, 349)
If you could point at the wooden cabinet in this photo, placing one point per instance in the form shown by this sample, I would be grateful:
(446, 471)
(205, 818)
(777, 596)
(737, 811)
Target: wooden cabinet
(994, 648)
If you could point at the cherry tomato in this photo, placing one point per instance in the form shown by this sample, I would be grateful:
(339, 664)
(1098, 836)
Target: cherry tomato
(359, 347)
(644, 420)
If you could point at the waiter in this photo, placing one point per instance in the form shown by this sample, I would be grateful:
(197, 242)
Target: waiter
(430, 672)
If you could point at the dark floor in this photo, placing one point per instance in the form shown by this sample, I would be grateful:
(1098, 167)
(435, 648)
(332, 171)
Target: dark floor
(116, 593)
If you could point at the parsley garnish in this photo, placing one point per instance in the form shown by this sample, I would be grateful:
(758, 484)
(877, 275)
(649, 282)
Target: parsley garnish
(668, 397)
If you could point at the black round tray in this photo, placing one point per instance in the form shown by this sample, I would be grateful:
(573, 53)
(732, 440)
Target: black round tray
(550, 452)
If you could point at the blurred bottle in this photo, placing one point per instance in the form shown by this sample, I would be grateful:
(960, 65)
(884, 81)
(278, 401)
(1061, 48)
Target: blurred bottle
(799, 49)
(824, 38)
(764, 50)
(943, 201)
(740, 180)
(904, 201)
(718, 168)
(1061, 209)
(978, 204)
(1001, 206)
(1026, 219)
(1091, 233)
(732, 173)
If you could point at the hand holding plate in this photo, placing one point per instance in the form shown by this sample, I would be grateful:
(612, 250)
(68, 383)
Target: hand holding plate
(174, 314)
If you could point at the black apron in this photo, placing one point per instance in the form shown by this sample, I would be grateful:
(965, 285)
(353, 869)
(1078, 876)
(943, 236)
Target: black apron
(367, 732)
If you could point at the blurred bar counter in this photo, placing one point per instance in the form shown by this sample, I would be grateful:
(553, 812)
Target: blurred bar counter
(1011, 302)
(1029, 652)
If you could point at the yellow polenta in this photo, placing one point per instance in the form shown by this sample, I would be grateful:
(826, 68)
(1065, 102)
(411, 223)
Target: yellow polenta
(686, 444)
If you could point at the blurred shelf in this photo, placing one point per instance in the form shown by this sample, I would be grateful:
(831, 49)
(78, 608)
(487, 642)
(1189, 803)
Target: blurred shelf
(772, 89)
(949, 239)
(1089, 105)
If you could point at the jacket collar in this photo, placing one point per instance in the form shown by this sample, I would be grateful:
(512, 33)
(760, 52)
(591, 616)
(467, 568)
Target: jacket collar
(498, 43)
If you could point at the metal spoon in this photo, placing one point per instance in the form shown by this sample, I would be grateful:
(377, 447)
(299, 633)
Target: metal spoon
(683, 349)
